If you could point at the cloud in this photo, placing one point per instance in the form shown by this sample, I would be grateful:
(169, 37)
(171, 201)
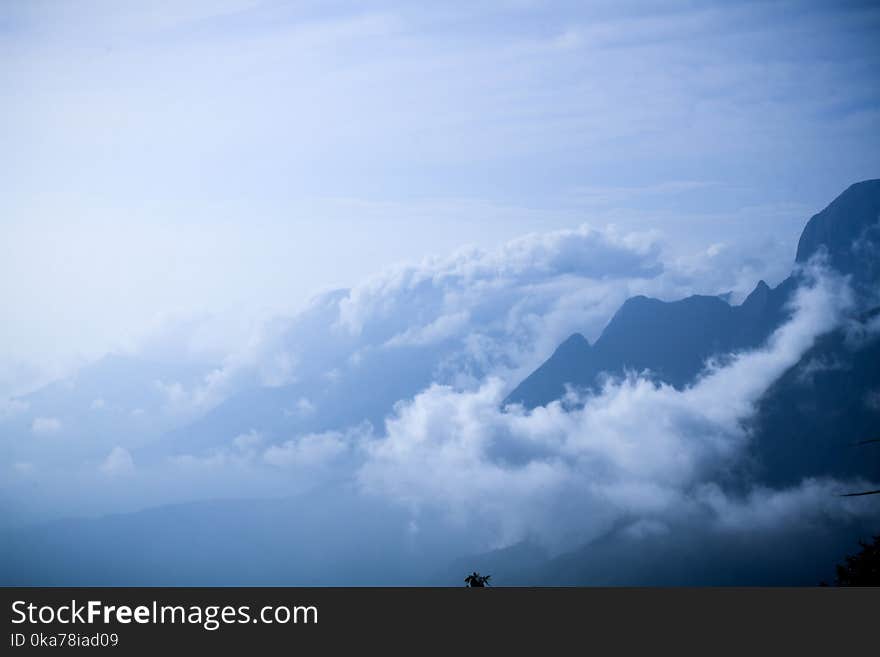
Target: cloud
(303, 408)
(472, 314)
(309, 451)
(571, 470)
(44, 426)
(267, 353)
(585, 252)
(500, 311)
(311, 454)
(631, 111)
(247, 441)
(764, 509)
(638, 461)
(118, 462)
(442, 328)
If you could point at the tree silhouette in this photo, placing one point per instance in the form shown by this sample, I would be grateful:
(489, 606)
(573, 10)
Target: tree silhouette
(475, 580)
(862, 569)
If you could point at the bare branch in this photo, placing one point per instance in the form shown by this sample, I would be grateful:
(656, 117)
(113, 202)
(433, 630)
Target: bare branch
(867, 492)
(865, 442)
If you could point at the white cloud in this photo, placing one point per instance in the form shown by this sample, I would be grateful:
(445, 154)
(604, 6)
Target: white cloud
(442, 328)
(303, 408)
(118, 462)
(312, 454)
(585, 253)
(247, 441)
(261, 357)
(764, 509)
(212, 389)
(97, 404)
(309, 451)
(500, 311)
(45, 425)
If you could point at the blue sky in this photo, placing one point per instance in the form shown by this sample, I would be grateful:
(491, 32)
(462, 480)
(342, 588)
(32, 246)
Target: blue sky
(234, 157)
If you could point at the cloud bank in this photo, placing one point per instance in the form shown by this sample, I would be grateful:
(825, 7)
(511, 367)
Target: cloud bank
(568, 472)
(638, 458)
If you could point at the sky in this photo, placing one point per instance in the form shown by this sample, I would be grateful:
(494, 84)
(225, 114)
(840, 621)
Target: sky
(235, 157)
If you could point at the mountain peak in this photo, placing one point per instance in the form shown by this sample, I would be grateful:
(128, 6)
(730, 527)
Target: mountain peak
(758, 295)
(570, 364)
(848, 230)
(574, 342)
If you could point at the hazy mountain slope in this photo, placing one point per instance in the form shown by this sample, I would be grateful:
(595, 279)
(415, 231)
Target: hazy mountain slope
(331, 537)
(808, 422)
(117, 400)
(327, 401)
(682, 556)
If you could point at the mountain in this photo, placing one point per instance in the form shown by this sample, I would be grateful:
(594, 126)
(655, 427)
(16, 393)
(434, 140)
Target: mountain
(812, 419)
(115, 400)
(331, 536)
(807, 424)
(689, 556)
(848, 231)
(673, 340)
(343, 396)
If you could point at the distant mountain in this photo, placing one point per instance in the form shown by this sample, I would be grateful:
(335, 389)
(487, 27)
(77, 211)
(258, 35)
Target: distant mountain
(232, 542)
(690, 556)
(316, 402)
(115, 400)
(673, 340)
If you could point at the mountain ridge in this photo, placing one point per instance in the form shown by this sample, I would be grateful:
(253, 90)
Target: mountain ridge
(687, 332)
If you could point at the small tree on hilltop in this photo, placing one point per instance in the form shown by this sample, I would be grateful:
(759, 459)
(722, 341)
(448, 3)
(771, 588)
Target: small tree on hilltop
(475, 580)
(862, 569)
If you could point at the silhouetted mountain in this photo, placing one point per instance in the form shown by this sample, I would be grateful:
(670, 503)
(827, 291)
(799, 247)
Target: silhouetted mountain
(573, 363)
(690, 556)
(809, 421)
(673, 340)
(849, 231)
